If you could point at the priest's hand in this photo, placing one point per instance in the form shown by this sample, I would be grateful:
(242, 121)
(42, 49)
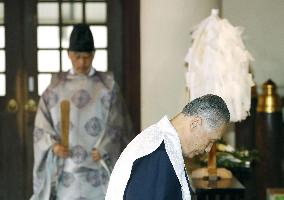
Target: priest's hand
(60, 150)
(96, 155)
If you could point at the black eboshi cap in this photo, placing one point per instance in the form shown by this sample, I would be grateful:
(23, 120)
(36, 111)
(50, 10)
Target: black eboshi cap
(81, 39)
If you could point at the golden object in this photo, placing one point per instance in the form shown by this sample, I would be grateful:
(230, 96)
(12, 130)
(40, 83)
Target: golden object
(269, 101)
(65, 110)
(31, 106)
(12, 106)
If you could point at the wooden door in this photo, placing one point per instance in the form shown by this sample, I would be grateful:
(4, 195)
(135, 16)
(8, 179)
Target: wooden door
(16, 109)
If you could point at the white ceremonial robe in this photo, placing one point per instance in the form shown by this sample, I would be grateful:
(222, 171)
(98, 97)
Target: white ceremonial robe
(144, 144)
(98, 119)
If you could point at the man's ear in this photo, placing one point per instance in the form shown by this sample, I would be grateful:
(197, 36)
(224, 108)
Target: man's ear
(195, 122)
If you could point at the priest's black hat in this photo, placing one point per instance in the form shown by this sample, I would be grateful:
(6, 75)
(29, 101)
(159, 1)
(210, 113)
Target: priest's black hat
(81, 39)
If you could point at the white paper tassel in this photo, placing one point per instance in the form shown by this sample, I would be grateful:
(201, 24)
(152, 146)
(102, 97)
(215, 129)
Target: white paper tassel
(218, 63)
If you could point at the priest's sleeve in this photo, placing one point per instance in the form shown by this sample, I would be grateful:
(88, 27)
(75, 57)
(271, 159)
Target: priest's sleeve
(45, 162)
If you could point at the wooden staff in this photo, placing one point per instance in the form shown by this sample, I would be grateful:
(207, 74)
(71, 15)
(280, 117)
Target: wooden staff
(65, 110)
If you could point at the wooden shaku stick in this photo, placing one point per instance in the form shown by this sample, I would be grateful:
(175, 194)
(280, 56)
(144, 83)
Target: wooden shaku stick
(65, 110)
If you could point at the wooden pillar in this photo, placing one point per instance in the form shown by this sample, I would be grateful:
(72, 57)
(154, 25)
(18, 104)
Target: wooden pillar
(268, 139)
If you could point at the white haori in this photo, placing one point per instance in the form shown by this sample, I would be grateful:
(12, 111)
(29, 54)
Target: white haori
(144, 144)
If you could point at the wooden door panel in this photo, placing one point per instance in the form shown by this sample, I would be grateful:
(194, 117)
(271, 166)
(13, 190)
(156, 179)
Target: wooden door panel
(15, 132)
(11, 149)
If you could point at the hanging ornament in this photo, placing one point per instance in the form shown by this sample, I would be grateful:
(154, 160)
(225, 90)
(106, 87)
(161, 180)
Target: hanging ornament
(218, 63)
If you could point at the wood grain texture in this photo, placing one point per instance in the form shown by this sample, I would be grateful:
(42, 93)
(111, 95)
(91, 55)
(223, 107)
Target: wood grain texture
(65, 110)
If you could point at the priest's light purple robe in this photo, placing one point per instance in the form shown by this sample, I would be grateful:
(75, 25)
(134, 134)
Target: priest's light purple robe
(98, 119)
